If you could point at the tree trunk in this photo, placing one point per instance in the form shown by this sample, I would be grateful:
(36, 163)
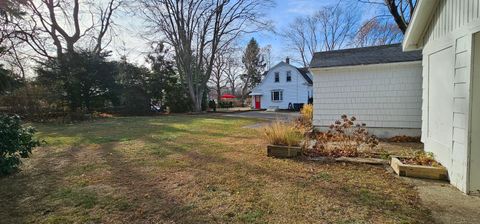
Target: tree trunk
(219, 92)
(198, 103)
(244, 90)
(232, 87)
(399, 20)
(197, 96)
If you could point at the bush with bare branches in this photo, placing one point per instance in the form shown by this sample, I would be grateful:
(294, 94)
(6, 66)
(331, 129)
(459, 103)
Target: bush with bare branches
(344, 138)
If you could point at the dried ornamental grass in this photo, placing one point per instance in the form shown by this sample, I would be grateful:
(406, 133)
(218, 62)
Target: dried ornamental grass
(280, 133)
(307, 113)
(306, 117)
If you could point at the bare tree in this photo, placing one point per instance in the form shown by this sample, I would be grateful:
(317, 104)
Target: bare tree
(400, 10)
(15, 59)
(218, 78)
(105, 22)
(233, 73)
(198, 30)
(302, 35)
(231, 66)
(377, 32)
(11, 14)
(267, 55)
(10, 11)
(337, 25)
(59, 22)
(330, 28)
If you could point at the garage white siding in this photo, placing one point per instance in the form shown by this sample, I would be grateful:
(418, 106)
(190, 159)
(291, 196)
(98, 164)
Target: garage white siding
(453, 152)
(439, 101)
(475, 122)
(450, 16)
(384, 96)
(450, 32)
(452, 68)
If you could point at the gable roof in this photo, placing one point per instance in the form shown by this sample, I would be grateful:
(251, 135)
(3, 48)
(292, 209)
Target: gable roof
(363, 56)
(303, 71)
(421, 17)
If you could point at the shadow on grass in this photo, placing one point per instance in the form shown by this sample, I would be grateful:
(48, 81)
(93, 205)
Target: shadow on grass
(146, 193)
(23, 194)
(353, 194)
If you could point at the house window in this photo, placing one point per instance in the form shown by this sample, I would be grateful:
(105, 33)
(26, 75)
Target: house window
(289, 76)
(277, 77)
(277, 95)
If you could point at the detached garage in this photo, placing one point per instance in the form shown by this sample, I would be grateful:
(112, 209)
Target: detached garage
(381, 86)
(448, 32)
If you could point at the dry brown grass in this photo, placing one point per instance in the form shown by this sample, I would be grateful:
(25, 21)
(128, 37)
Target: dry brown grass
(305, 120)
(192, 169)
(307, 112)
(281, 133)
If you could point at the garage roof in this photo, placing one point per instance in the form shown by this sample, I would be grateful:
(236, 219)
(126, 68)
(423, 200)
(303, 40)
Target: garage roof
(420, 19)
(364, 56)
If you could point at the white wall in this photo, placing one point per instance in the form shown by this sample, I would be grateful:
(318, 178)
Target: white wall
(450, 16)
(295, 91)
(475, 122)
(438, 131)
(385, 96)
(447, 132)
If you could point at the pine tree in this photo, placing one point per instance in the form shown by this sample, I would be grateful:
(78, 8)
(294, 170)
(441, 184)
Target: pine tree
(254, 65)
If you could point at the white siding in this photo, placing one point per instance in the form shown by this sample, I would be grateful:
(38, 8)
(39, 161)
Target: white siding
(475, 122)
(448, 104)
(439, 101)
(382, 96)
(450, 16)
(452, 26)
(461, 86)
(295, 91)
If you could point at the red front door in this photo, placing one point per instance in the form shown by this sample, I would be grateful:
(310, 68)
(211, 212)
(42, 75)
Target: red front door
(257, 102)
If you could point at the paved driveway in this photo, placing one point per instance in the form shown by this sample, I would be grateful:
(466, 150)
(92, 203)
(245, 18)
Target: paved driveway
(283, 116)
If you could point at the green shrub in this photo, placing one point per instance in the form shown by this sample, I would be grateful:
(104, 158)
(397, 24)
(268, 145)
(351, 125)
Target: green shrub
(16, 142)
(223, 104)
(212, 105)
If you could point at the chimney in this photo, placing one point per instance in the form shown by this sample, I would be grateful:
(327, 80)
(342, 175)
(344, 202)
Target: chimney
(287, 60)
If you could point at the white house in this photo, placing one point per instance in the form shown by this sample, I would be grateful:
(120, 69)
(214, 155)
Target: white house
(381, 86)
(282, 86)
(448, 32)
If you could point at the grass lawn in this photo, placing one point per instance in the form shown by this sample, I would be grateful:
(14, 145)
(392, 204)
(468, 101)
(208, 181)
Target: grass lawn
(192, 169)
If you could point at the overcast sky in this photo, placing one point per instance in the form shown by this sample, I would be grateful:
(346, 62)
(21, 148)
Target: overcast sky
(129, 41)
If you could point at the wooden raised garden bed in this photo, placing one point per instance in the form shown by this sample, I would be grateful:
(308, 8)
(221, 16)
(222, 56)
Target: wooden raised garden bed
(427, 172)
(281, 151)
